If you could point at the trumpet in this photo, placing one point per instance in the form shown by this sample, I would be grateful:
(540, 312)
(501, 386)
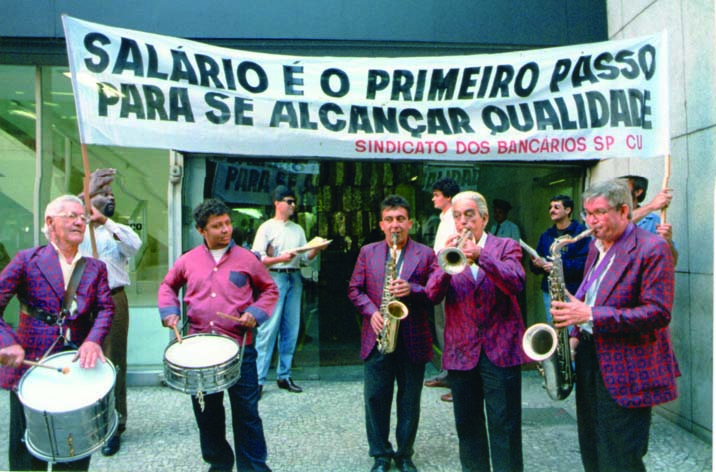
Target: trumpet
(451, 259)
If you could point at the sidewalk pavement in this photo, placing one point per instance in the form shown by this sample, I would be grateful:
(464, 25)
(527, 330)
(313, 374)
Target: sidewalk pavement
(322, 429)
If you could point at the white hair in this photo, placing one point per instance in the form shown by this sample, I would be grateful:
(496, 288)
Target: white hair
(55, 207)
(476, 197)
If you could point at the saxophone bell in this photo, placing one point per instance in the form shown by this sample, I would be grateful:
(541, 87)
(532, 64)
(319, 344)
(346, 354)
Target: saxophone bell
(396, 311)
(540, 341)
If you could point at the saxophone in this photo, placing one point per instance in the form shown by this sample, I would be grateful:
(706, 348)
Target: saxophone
(391, 309)
(550, 346)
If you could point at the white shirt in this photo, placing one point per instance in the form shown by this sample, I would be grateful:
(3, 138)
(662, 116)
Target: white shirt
(281, 236)
(67, 267)
(115, 254)
(591, 296)
(446, 228)
(481, 244)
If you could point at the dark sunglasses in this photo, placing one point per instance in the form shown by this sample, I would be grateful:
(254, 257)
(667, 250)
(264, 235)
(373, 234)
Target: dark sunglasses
(290, 201)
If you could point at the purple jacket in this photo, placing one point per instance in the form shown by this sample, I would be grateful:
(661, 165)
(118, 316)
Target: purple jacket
(483, 314)
(631, 315)
(366, 291)
(35, 276)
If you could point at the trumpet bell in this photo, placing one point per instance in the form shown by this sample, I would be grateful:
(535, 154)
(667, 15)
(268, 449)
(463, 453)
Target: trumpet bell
(452, 260)
(540, 341)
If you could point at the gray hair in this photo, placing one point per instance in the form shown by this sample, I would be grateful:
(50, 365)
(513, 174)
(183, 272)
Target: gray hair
(479, 200)
(55, 207)
(615, 191)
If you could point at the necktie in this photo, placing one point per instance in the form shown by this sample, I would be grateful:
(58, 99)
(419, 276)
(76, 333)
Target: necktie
(497, 229)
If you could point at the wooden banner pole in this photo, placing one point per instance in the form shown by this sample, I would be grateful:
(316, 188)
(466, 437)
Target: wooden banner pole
(87, 199)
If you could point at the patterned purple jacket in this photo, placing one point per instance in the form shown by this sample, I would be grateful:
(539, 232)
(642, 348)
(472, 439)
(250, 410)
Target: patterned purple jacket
(35, 276)
(366, 291)
(483, 314)
(631, 315)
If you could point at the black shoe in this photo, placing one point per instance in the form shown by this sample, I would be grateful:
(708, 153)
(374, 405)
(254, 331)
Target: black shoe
(405, 465)
(287, 384)
(381, 464)
(112, 446)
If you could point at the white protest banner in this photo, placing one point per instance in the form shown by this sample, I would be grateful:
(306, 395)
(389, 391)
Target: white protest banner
(590, 101)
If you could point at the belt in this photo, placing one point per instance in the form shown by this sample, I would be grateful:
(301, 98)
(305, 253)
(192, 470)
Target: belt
(284, 270)
(586, 336)
(116, 290)
(40, 315)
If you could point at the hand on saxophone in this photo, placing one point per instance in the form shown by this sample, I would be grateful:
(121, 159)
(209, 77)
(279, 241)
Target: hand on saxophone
(572, 312)
(376, 322)
(400, 288)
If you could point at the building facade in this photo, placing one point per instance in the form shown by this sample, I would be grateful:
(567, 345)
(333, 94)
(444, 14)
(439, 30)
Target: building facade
(155, 190)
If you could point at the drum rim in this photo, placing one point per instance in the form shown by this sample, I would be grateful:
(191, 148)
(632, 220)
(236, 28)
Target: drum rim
(72, 353)
(209, 366)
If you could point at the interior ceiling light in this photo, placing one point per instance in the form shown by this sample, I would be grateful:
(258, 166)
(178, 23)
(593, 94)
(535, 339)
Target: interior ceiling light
(23, 113)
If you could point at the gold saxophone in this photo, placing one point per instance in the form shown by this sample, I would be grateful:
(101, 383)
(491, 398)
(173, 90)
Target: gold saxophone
(550, 346)
(391, 309)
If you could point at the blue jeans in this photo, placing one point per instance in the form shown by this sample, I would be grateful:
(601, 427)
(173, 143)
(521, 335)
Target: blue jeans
(249, 440)
(284, 324)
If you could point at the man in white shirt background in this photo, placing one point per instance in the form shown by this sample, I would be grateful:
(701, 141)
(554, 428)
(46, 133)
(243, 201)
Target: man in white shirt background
(116, 244)
(443, 191)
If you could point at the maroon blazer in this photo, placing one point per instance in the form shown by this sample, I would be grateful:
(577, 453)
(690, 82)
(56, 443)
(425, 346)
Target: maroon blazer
(366, 291)
(482, 314)
(631, 316)
(35, 276)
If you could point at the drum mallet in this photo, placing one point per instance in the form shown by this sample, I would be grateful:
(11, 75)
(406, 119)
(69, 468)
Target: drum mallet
(62, 370)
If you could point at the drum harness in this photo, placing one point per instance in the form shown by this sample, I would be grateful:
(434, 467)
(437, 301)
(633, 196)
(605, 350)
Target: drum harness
(65, 310)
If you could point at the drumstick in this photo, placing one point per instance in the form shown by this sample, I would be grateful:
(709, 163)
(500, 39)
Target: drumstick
(228, 317)
(62, 370)
(176, 333)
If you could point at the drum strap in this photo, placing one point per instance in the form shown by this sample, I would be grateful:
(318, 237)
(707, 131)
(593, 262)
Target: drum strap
(53, 318)
(72, 287)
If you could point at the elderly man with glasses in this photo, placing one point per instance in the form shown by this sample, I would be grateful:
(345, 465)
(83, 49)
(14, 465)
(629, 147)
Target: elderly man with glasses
(624, 361)
(276, 242)
(40, 277)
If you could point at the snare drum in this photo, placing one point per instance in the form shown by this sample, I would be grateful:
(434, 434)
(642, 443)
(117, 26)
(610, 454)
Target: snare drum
(202, 363)
(69, 416)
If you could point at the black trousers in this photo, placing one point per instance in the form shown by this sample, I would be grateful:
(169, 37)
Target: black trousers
(611, 438)
(497, 391)
(382, 372)
(18, 454)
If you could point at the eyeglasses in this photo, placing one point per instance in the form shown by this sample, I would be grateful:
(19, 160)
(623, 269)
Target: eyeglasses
(290, 201)
(598, 213)
(72, 216)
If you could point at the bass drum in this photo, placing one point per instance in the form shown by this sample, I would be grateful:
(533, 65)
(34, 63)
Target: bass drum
(69, 416)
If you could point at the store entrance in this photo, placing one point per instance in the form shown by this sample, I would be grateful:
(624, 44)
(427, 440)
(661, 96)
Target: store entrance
(340, 200)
